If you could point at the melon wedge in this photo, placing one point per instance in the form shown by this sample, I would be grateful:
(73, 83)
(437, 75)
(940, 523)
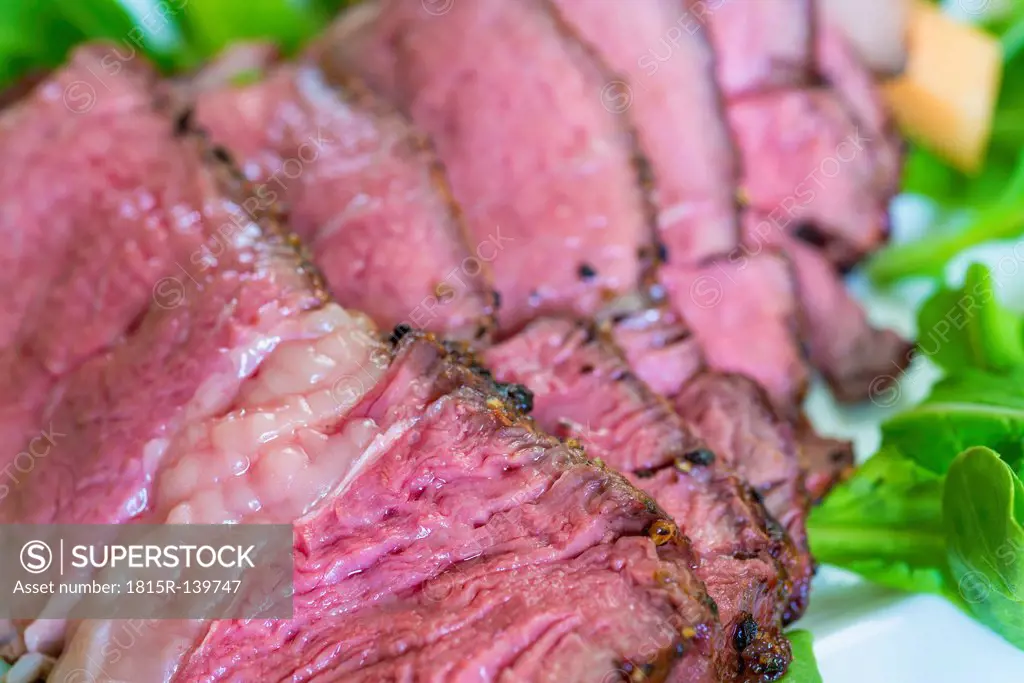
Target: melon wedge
(946, 96)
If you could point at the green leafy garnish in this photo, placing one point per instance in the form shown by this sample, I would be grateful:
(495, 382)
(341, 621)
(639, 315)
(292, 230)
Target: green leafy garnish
(983, 506)
(885, 523)
(174, 34)
(967, 332)
(961, 412)
(940, 507)
(967, 327)
(804, 667)
(928, 257)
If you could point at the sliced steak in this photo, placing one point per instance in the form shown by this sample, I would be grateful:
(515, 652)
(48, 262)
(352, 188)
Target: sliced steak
(768, 459)
(808, 166)
(822, 161)
(825, 461)
(856, 359)
(665, 355)
(564, 196)
(659, 346)
(453, 540)
(854, 84)
(760, 45)
(734, 417)
(194, 295)
(743, 311)
(782, 203)
(246, 397)
(658, 47)
(115, 220)
(363, 189)
(584, 389)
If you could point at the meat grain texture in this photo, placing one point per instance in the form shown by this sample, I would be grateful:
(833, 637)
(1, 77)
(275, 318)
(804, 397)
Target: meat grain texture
(749, 125)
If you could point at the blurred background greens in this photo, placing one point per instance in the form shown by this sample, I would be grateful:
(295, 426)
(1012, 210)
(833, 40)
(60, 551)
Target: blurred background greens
(178, 35)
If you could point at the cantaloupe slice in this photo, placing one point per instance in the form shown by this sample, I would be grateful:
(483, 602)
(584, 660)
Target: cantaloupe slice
(945, 98)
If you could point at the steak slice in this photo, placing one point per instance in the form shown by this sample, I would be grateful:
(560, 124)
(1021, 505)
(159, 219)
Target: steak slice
(583, 389)
(857, 360)
(674, 101)
(231, 288)
(85, 254)
(825, 461)
(821, 161)
(452, 540)
(854, 84)
(196, 293)
(733, 415)
(665, 355)
(659, 346)
(363, 189)
(809, 167)
(743, 312)
(760, 45)
(849, 361)
(565, 195)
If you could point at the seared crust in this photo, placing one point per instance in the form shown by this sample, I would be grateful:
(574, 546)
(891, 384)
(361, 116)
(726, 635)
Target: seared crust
(586, 391)
(281, 244)
(736, 417)
(459, 370)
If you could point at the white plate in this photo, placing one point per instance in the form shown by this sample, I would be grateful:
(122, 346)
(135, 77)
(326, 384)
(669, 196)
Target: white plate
(868, 634)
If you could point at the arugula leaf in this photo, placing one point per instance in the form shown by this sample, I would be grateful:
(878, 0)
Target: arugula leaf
(109, 20)
(804, 667)
(885, 523)
(32, 37)
(971, 408)
(96, 18)
(983, 509)
(1002, 389)
(967, 327)
(935, 433)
